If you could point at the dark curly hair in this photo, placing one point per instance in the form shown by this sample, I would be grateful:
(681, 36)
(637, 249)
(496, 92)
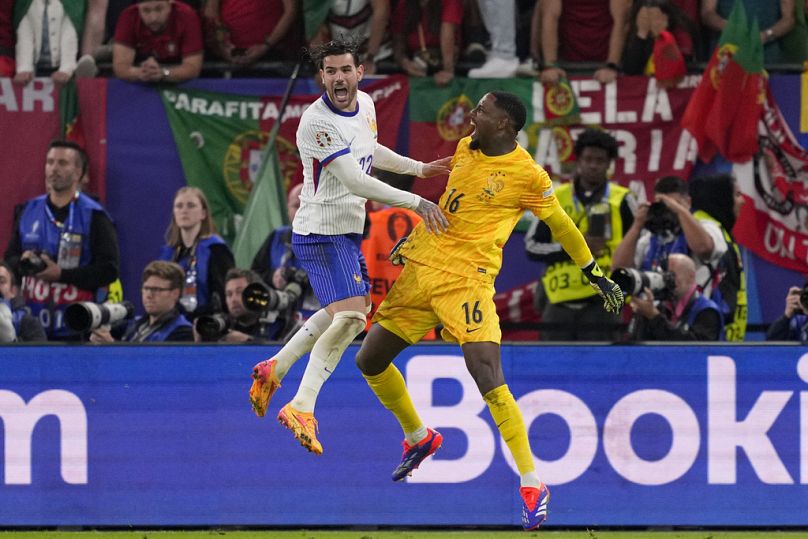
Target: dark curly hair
(594, 138)
(336, 47)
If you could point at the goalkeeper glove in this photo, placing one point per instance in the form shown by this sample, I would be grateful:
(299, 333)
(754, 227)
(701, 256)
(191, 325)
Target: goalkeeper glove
(395, 256)
(613, 299)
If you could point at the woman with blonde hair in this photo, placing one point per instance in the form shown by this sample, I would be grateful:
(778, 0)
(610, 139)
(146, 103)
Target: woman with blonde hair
(193, 242)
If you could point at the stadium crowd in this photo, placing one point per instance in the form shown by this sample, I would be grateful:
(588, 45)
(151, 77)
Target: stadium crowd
(64, 248)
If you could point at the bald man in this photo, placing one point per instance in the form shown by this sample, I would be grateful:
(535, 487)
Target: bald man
(687, 316)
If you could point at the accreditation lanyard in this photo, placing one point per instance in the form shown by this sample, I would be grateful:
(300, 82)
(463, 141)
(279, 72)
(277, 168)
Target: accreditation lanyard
(69, 253)
(189, 300)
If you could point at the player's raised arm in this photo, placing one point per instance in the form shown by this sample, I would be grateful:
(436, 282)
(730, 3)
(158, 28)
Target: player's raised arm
(347, 170)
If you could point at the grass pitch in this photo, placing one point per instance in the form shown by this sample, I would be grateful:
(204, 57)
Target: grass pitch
(404, 534)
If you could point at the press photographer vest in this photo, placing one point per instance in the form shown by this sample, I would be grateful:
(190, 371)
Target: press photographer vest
(797, 328)
(700, 304)
(161, 333)
(564, 281)
(202, 254)
(39, 232)
(735, 326)
(659, 251)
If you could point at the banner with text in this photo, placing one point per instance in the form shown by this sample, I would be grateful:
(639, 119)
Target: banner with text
(164, 436)
(643, 117)
(220, 139)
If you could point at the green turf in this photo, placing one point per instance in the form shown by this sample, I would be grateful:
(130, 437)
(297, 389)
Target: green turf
(406, 534)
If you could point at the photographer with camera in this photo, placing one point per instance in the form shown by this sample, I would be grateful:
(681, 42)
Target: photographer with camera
(682, 314)
(667, 226)
(254, 311)
(603, 211)
(793, 325)
(27, 327)
(163, 322)
(275, 259)
(63, 243)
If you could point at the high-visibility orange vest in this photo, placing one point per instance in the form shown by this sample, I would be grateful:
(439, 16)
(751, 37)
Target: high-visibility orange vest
(387, 226)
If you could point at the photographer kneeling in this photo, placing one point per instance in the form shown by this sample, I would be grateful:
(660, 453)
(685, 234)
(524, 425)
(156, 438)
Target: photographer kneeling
(682, 314)
(793, 325)
(160, 291)
(255, 312)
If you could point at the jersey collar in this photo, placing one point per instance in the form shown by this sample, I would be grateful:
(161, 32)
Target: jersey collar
(335, 110)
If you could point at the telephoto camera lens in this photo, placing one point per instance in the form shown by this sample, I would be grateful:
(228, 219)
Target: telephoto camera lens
(87, 316)
(632, 281)
(212, 327)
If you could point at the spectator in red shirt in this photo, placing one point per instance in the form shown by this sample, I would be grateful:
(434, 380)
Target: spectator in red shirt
(583, 31)
(7, 68)
(157, 40)
(244, 31)
(425, 37)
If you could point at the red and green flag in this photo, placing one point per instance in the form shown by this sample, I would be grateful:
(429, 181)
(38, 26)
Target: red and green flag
(221, 138)
(725, 108)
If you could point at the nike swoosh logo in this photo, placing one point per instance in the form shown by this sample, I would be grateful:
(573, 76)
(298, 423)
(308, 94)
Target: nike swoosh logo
(472, 330)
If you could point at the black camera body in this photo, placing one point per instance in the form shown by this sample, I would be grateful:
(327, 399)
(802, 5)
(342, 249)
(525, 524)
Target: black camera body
(661, 219)
(212, 327)
(632, 281)
(31, 265)
(804, 298)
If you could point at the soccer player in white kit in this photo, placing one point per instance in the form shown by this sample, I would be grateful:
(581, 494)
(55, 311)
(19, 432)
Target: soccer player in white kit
(338, 143)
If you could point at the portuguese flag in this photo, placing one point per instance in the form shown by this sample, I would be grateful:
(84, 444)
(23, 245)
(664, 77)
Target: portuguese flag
(439, 117)
(220, 139)
(723, 112)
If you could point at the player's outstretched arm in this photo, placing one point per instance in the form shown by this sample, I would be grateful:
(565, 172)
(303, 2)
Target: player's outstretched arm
(386, 159)
(346, 170)
(438, 167)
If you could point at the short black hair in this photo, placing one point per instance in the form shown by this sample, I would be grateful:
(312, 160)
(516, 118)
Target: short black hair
(336, 47)
(715, 194)
(513, 107)
(595, 138)
(84, 161)
(671, 184)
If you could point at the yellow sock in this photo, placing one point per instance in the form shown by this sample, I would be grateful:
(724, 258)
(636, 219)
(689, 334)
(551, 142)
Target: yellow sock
(391, 390)
(511, 426)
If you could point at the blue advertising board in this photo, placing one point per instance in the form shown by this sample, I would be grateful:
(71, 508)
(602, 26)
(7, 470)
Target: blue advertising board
(624, 436)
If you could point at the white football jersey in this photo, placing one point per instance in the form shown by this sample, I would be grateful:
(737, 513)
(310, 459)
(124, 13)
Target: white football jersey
(325, 133)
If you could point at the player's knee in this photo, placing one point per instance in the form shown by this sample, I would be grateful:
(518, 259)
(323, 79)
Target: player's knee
(350, 323)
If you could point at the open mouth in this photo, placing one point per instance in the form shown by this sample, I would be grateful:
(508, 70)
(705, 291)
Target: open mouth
(341, 93)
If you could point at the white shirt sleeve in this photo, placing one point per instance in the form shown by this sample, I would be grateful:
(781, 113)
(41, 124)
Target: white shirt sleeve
(346, 170)
(386, 159)
(719, 243)
(322, 141)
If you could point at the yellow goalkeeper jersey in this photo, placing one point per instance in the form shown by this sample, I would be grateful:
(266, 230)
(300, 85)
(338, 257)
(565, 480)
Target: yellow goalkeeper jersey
(484, 199)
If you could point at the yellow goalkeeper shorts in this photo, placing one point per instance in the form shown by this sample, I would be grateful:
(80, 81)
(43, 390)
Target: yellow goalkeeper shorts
(423, 297)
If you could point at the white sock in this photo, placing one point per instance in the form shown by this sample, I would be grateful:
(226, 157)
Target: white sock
(530, 479)
(416, 436)
(301, 342)
(325, 356)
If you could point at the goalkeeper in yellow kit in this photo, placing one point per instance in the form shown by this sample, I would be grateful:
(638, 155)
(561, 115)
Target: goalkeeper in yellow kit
(449, 279)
